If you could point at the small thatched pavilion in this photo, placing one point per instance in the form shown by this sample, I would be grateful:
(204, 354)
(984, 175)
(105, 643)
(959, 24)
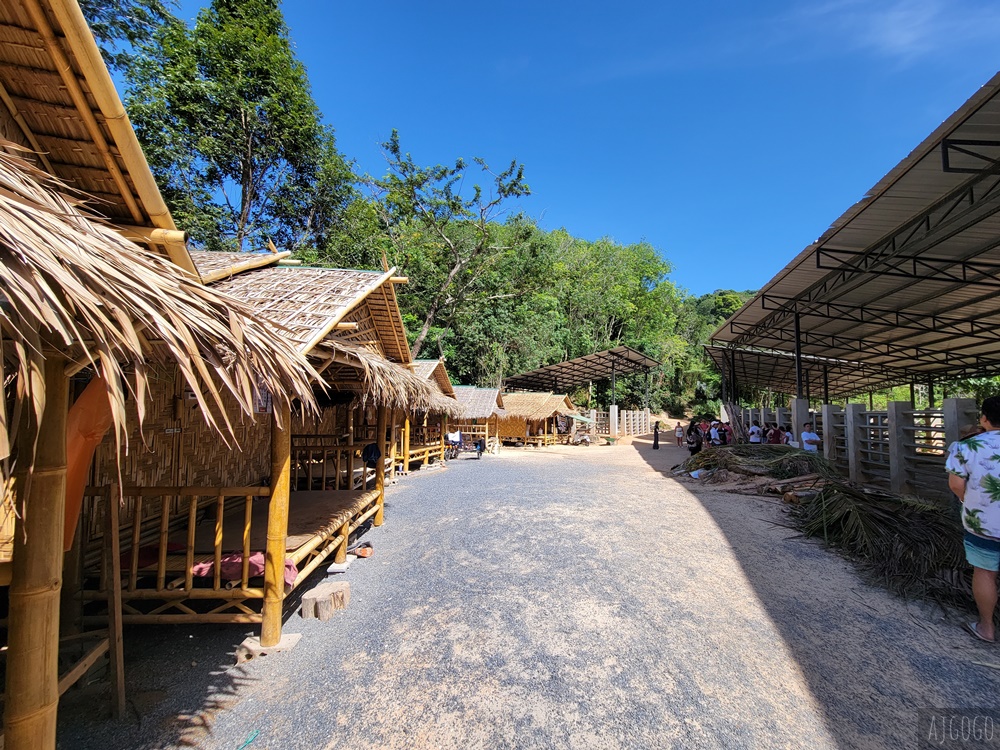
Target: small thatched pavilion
(532, 417)
(423, 434)
(482, 409)
(196, 520)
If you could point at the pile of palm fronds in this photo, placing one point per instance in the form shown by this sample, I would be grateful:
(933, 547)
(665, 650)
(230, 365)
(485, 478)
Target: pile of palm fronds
(910, 546)
(778, 461)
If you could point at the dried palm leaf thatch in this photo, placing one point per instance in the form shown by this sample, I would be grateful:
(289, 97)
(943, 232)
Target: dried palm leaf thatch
(908, 545)
(387, 383)
(70, 284)
(778, 461)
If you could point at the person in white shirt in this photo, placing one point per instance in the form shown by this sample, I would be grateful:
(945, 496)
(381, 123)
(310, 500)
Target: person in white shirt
(810, 440)
(713, 434)
(755, 432)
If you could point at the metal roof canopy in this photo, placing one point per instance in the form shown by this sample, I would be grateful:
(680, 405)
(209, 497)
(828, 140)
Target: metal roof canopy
(564, 376)
(907, 278)
(822, 376)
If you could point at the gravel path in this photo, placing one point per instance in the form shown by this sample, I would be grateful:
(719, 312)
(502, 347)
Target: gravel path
(564, 598)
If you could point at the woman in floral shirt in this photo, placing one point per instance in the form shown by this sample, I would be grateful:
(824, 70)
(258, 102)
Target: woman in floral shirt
(973, 467)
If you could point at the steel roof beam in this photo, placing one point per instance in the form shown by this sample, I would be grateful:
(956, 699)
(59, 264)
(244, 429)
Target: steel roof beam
(973, 327)
(965, 206)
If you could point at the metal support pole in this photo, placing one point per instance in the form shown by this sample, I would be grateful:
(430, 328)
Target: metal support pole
(732, 377)
(913, 397)
(614, 395)
(930, 394)
(798, 358)
(725, 384)
(647, 388)
(826, 385)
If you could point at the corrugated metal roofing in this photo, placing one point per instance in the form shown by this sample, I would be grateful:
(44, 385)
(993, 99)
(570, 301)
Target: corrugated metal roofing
(565, 376)
(776, 370)
(906, 279)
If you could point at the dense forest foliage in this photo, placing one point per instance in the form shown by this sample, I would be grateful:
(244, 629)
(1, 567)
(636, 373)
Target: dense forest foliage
(225, 114)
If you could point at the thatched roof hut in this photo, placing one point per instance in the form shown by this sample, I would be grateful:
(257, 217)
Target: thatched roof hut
(536, 406)
(528, 409)
(434, 370)
(75, 295)
(346, 321)
(76, 289)
(479, 403)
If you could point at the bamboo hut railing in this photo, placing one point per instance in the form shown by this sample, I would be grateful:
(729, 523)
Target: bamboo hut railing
(151, 522)
(198, 525)
(325, 462)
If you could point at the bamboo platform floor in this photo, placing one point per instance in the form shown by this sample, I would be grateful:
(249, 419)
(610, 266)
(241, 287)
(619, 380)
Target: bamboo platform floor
(567, 598)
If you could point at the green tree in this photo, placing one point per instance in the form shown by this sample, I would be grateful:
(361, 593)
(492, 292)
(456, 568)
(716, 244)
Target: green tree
(426, 214)
(229, 125)
(119, 25)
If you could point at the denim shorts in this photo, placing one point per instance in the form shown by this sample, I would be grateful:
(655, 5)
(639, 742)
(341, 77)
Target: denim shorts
(981, 552)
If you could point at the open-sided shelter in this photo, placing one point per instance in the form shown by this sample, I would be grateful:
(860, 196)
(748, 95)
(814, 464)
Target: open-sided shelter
(79, 298)
(482, 409)
(197, 521)
(906, 279)
(573, 373)
(531, 417)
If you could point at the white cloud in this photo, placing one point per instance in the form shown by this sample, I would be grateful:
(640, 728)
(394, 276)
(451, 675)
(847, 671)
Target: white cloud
(904, 30)
(901, 31)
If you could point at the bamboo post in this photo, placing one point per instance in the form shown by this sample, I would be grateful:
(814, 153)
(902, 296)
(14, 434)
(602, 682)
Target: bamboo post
(351, 414)
(115, 653)
(32, 691)
(277, 527)
(393, 442)
(444, 430)
(427, 457)
(406, 442)
(380, 465)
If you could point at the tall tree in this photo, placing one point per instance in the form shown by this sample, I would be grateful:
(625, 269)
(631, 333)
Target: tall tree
(228, 122)
(458, 231)
(119, 25)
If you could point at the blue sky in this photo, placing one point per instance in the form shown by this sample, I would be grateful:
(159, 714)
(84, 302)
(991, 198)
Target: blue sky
(727, 134)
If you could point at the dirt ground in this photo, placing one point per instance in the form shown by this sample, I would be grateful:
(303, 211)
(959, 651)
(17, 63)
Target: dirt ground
(567, 597)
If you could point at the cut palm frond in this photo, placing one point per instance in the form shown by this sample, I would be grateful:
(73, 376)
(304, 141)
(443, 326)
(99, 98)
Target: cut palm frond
(778, 461)
(70, 284)
(910, 546)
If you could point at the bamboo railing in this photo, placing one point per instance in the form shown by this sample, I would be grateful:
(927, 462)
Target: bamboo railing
(154, 578)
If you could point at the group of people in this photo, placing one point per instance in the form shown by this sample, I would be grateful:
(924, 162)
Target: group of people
(973, 466)
(699, 434)
(775, 434)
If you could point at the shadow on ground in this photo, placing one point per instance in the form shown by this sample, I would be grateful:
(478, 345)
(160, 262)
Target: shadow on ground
(872, 660)
(172, 700)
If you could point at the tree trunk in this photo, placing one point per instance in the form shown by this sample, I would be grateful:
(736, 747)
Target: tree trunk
(432, 312)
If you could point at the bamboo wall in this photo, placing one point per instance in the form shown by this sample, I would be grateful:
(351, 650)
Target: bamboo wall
(177, 448)
(513, 428)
